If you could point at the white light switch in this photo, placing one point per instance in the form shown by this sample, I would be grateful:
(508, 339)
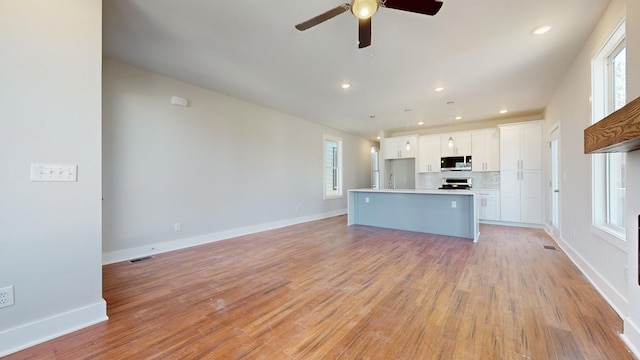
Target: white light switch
(54, 172)
(454, 204)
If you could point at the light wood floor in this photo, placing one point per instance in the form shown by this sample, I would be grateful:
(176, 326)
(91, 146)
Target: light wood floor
(323, 290)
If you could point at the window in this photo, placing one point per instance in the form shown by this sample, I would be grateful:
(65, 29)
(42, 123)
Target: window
(609, 170)
(332, 167)
(375, 168)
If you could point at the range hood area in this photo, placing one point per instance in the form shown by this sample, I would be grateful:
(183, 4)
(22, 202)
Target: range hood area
(618, 132)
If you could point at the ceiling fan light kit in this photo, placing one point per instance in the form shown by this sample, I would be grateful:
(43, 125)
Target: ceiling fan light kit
(364, 10)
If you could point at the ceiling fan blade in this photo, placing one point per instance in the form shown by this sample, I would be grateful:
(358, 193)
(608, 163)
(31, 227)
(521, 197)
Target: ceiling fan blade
(364, 33)
(323, 17)
(427, 7)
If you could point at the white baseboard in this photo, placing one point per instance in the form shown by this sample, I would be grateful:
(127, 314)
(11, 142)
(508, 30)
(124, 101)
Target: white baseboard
(515, 224)
(19, 338)
(157, 248)
(617, 301)
(631, 336)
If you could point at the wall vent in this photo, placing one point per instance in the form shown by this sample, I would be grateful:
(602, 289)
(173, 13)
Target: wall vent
(550, 247)
(145, 258)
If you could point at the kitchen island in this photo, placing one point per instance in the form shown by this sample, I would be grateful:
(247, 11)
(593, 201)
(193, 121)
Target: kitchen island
(443, 212)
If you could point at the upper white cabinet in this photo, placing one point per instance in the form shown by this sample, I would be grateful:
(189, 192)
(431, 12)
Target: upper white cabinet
(521, 172)
(429, 154)
(459, 145)
(485, 150)
(400, 147)
(521, 146)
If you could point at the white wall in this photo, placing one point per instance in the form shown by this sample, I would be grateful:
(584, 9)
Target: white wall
(603, 262)
(632, 322)
(50, 233)
(221, 166)
(599, 259)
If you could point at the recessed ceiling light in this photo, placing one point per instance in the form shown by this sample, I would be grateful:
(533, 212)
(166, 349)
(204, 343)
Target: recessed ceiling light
(541, 30)
(458, 117)
(504, 111)
(438, 89)
(378, 138)
(407, 110)
(421, 123)
(345, 85)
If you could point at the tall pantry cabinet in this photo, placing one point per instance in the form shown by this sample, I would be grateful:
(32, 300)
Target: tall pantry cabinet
(521, 172)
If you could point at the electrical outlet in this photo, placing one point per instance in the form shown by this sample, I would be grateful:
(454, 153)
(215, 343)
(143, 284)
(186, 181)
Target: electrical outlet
(454, 204)
(6, 296)
(177, 227)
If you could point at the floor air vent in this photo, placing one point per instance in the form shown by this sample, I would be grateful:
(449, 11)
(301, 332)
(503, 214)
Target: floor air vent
(135, 261)
(550, 247)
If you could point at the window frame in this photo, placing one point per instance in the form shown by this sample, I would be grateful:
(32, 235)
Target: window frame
(602, 101)
(335, 168)
(375, 167)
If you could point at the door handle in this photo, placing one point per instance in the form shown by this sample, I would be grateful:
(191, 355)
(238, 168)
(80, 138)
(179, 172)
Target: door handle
(556, 190)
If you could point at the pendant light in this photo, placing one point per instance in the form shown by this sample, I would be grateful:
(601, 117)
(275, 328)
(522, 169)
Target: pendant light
(450, 123)
(408, 146)
(373, 145)
(364, 9)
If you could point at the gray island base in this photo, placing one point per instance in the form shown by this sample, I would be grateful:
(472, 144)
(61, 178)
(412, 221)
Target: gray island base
(443, 212)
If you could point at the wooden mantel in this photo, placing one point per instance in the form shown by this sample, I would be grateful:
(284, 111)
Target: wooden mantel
(618, 132)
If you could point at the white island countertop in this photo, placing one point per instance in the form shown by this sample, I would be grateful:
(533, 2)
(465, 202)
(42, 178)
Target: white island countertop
(417, 191)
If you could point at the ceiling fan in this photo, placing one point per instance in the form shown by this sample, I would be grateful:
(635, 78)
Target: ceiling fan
(364, 10)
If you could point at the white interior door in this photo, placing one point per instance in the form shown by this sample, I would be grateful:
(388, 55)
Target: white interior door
(554, 188)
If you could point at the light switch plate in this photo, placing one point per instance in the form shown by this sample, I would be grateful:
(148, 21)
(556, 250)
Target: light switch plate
(54, 172)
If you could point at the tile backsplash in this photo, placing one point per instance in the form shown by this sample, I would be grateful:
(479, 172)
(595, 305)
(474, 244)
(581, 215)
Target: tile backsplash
(481, 180)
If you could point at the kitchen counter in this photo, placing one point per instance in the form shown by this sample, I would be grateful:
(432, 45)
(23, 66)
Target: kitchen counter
(417, 191)
(443, 212)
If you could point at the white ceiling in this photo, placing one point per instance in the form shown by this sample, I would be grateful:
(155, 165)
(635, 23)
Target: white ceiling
(482, 52)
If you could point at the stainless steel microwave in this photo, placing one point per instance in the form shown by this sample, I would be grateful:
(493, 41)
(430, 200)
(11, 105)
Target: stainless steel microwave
(455, 163)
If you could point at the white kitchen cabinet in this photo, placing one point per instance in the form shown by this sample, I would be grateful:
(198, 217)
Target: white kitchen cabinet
(488, 204)
(521, 146)
(485, 150)
(396, 147)
(521, 172)
(460, 146)
(429, 153)
(521, 196)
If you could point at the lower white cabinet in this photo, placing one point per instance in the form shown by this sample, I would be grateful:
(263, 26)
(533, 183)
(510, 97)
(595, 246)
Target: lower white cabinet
(521, 196)
(488, 204)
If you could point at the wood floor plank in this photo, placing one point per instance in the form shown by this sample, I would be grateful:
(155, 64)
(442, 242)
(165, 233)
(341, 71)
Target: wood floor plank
(324, 290)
